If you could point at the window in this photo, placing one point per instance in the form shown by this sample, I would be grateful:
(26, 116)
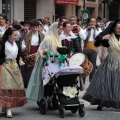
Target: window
(7, 8)
(29, 9)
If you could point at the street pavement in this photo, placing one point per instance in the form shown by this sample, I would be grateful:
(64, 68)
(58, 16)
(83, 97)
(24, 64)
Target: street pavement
(31, 112)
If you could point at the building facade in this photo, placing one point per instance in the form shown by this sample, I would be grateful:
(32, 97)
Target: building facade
(29, 9)
(13, 9)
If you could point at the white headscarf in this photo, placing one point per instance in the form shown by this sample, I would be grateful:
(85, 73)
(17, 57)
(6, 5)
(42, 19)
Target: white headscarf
(51, 40)
(53, 30)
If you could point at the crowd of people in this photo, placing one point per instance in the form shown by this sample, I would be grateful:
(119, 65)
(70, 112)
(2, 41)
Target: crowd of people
(22, 47)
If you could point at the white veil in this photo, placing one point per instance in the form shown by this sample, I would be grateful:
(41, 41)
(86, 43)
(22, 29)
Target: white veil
(51, 40)
(53, 30)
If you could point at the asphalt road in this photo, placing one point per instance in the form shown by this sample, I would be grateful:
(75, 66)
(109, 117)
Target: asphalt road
(31, 112)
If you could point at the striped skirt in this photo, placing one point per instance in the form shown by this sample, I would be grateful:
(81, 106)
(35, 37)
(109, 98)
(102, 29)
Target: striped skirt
(104, 89)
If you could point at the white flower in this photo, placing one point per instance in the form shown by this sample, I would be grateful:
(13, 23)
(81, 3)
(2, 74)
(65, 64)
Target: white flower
(70, 91)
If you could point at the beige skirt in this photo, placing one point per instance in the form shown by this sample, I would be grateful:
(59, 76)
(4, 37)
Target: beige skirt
(12, 92)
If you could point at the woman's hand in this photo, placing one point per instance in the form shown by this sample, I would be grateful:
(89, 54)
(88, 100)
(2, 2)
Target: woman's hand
(24, 49)
(41, 54)
(21, 63)
(106, 37)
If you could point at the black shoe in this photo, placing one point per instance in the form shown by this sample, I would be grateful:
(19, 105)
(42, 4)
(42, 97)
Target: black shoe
(99, 108)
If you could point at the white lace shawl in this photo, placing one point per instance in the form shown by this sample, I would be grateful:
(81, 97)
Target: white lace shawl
(114, 56)
(51, 40)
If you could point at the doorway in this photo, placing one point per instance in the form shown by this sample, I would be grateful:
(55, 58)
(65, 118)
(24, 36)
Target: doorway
(114, 9)
(59, 11)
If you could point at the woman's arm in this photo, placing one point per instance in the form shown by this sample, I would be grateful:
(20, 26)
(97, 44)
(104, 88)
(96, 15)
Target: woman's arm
(44, 47)
(102, 40)
(19, 56)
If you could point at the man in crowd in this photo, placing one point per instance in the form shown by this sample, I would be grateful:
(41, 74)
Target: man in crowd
(89, 35)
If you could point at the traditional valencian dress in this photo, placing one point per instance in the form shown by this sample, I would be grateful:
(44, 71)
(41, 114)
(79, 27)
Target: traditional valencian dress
(12, 93)
(104, 89)
(70, 42)
(35, 89)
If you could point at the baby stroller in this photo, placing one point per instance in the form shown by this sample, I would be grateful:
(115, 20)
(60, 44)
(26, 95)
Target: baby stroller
(57, 87)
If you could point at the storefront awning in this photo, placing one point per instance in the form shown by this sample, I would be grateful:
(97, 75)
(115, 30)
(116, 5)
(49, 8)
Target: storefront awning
(74, 2)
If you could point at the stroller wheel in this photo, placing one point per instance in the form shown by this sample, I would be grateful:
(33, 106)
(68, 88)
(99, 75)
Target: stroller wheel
(81, 111)
(61, 112)
(43, 106)
(74, 111)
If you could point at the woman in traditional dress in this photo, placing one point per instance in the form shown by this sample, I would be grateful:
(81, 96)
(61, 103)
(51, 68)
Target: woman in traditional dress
(12, 92)
(50, 43)
(105, 84)
(68, 38)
